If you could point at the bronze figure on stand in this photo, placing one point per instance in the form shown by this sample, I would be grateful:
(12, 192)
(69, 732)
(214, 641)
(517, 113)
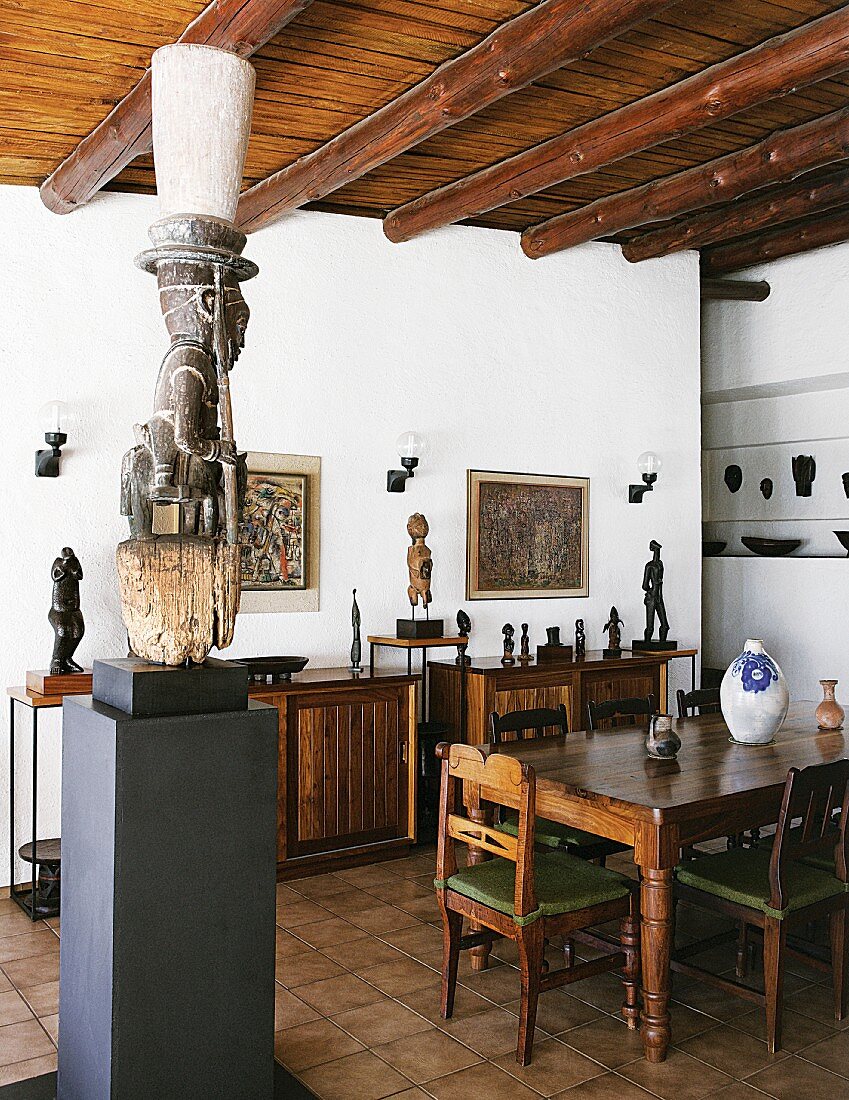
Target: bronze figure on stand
(655, 606)
(65, 616)
(613, 626)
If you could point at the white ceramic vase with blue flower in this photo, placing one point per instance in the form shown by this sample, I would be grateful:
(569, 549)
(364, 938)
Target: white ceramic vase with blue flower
(754, 696)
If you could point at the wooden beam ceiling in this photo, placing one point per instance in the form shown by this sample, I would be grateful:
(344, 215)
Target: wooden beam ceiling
(778, 66)
(796, 200)
(780, 157)
(784, 240)
(520, 51)
(239, 26)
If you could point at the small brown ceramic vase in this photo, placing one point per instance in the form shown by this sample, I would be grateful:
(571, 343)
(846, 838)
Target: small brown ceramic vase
(829, 714)
(662, 742)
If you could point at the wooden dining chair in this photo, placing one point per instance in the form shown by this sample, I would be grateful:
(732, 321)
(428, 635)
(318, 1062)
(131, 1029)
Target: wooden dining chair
(618, 712)
(520, 894)
(775, 889)
(698, 701)
(532, 725)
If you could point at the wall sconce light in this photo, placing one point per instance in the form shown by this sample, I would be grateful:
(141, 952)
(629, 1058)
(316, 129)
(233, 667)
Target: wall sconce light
(410, 447)
(53, 417)
(648, 464)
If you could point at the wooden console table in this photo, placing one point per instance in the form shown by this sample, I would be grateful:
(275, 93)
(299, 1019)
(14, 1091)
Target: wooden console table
(494, 686)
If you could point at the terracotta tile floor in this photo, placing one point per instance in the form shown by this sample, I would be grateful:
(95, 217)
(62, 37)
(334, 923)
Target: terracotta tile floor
(357, 1018)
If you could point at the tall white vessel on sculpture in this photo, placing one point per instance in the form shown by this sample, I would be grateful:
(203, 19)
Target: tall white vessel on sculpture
(754, 696)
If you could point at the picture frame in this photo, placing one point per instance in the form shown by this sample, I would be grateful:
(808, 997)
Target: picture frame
(280, 533)
(527, 536)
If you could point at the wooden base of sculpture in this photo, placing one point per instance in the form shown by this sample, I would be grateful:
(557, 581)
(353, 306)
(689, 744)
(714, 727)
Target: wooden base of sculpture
(179, 596)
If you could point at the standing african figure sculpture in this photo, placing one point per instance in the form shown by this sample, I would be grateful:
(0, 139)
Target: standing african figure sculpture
(655, 607)
(419, 562)
(613, 626)
(65, 616)
(182, 485)
(356, 644)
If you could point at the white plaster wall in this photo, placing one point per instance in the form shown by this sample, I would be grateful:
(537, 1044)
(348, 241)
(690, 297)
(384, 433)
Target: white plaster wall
(572, 365)
(788, 354)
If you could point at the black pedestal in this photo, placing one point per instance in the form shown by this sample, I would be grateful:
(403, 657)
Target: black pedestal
(419, 628)
(168, 898)
(653, 646)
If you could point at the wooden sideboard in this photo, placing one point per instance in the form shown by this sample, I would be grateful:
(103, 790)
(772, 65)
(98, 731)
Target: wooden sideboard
(490, 686)
(347, 767)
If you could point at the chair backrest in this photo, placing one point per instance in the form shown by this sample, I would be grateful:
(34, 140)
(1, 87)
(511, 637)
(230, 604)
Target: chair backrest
(812, 794)
(527, 723)
(505, 781)
(701, 701)
(618, 712)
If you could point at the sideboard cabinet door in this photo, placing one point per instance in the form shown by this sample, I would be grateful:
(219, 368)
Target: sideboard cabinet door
(347, 769)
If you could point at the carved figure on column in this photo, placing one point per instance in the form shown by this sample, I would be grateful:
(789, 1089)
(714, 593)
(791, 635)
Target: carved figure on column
(183, 483)
(419, 562)
(65, 616)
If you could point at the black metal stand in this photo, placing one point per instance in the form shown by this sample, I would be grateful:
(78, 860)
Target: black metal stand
(27, 898)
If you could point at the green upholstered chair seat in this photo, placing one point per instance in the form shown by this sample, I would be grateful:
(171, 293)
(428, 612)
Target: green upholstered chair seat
(823, 861)
(563, 884)
(550, 833)
(741, 875)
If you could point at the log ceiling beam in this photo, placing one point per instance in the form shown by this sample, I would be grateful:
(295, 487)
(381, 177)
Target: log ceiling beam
(818, 50)
(786, 240)
(239, 26)
(733, 290)
(515, 54)
(786, 204)
(778, 158)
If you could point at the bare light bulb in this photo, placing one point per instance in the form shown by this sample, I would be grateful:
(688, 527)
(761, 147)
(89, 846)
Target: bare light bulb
(649, 463)
(410, 445)
(53, 417)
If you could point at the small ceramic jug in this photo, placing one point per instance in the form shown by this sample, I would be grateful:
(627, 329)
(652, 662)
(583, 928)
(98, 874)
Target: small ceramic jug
(662, 742)
(829, 714)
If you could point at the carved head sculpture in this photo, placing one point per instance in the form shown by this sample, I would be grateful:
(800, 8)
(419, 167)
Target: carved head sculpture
(417, 526)
(655, 546)
(187, 301)
(733, 477)
(804, 472)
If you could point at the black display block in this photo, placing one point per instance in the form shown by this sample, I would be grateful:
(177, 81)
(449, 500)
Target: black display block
(419, 628)
(611, 653)
(654, 646)
(169, 838)
(146, 690)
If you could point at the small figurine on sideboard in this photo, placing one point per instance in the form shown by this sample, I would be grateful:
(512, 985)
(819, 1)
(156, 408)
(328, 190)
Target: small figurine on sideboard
(65, 616)
(525, 646)
(356, 645)
(613, 626)
(580, 639)
(509, 644)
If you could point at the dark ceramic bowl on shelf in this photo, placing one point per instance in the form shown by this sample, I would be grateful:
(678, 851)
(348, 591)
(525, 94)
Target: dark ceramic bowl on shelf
(843, 539)
(770, 548)
(273, 669)
(712, 548)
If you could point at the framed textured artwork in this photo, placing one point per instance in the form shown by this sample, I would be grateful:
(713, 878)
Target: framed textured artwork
(527, 536)
(280, 532)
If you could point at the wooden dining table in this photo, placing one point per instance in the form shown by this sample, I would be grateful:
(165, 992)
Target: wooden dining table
(605, 783)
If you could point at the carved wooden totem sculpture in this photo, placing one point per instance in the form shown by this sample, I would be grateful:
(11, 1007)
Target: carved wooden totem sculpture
(183, 483)
(419, 562)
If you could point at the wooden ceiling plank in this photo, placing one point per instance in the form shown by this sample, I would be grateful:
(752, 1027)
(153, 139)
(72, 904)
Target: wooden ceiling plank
(785, 240)
(240, 26)
(785, 204)
(815, 51)
(779, 157)
(515, 54)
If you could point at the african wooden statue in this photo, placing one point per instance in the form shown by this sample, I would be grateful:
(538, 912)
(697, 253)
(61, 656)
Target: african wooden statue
(613, 626)
(182, 484)
(65, 616)
(653, 589)
(419, 562)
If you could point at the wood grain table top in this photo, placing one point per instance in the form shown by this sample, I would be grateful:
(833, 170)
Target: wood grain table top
(611, 766)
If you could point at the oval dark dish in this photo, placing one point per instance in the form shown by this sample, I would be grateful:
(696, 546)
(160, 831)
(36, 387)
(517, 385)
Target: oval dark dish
(711, 548)
(770, 548)
(278, 668)
(843, 538)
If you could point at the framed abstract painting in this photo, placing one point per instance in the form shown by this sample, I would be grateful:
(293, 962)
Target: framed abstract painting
(279, 533)
(527, 536)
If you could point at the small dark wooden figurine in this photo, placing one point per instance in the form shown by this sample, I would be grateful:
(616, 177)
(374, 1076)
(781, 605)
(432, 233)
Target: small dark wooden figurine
(419, 562)
(846, 483)
(614, 634)
(804, 472)
(65, 616)
(356, 645)
(525, 645)
(580, 639)
(464, 623)
(733, 477)
(509, 644)
(766, 488)
(552, 634)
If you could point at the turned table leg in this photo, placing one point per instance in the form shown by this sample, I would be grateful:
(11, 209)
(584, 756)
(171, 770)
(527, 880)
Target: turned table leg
(480, 812)
(656, 922)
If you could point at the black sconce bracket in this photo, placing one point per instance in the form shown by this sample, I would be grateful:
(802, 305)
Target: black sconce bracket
(637, 492)
(396, 480)
(47, 461)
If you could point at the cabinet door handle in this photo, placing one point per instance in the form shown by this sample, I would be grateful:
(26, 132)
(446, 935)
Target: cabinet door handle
(403, 752)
